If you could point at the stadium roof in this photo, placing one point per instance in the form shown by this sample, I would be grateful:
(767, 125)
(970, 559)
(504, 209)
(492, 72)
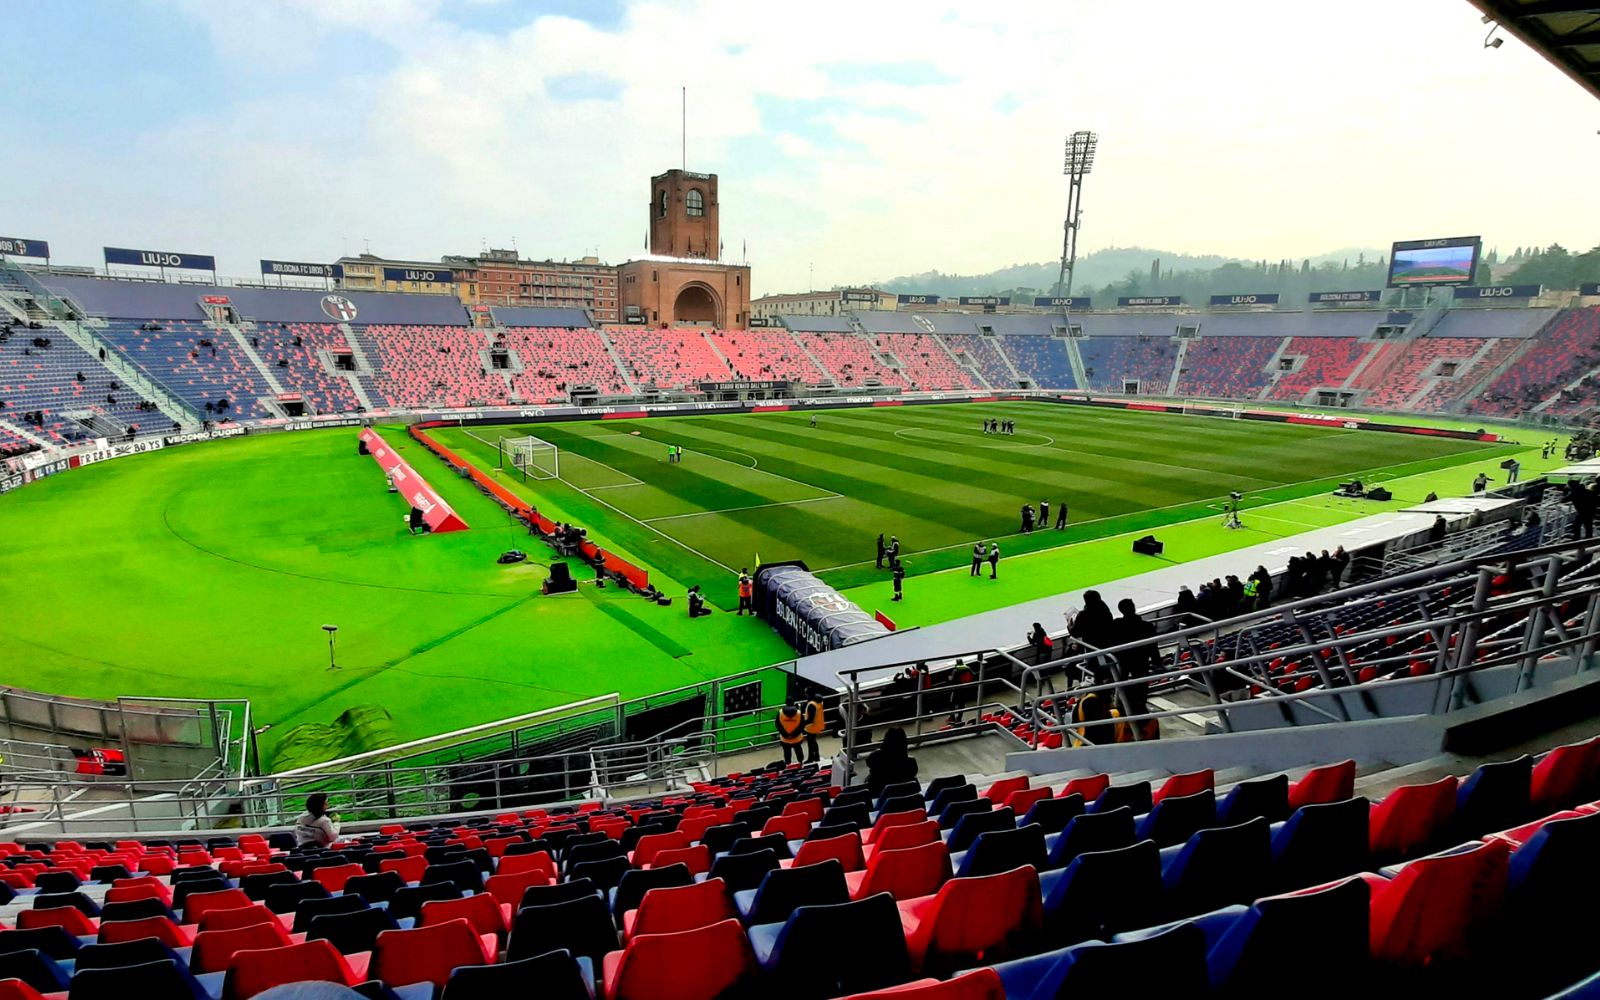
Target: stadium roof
(1566, 32)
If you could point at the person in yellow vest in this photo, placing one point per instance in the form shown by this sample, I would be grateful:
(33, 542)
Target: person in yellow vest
(816, 725)
(791, 730)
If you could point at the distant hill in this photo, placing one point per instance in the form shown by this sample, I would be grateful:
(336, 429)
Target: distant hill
(1093, 272)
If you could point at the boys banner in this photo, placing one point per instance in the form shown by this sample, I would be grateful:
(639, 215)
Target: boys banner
(438, 514)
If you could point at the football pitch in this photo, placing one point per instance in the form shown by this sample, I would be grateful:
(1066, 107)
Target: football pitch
(209, 570)
(771, 485)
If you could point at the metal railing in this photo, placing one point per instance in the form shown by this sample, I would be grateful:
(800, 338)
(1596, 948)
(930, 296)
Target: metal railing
(1446, 623)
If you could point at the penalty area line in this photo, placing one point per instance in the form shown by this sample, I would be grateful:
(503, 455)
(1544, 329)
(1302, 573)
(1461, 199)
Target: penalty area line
(734, 510)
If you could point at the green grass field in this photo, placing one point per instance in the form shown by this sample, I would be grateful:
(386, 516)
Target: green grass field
(207, 571)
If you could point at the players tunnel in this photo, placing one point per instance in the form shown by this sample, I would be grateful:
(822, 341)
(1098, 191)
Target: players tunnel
(696, 304)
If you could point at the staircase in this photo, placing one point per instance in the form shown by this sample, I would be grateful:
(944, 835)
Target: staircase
(363, 368)
(1011, 367)
(711, 343)
(616, 359)
(1272, 366)
(1177, 367)
(25, 434)
(821, 371)
(250, 352)
(1361, 366)
(130, 374)
(970, 369)
(1080, 374)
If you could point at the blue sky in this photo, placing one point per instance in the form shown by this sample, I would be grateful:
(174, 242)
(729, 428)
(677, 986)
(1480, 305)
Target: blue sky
(861, 140)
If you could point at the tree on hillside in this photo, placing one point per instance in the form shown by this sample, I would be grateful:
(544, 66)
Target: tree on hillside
(1555, 267)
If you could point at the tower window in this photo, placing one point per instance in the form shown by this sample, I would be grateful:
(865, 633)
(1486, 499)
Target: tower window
(696, 203)
(661, 205)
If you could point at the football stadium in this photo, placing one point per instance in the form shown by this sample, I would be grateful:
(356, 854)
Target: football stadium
(478, 626)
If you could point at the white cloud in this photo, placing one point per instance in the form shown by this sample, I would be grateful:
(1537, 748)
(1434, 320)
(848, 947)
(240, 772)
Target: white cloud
(870, 139)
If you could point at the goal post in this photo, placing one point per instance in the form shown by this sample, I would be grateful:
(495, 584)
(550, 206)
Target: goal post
(1220, 407)
(533, 457)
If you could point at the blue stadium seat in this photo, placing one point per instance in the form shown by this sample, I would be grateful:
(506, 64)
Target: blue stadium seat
(784, 890)
(168, 979)
(1264, 950)
(1494, 797)
(1091, 832)
(863, 941)
(1137, 797)
(1102, 893)
(34, 968)
(971, 825)
(1217, 867)
(1053, 815)
(554, 975)
(1176, 959)
(956, 811)
(350, 932)
(1176, 818)
(1320, 843)
(1264, 797)
(583, 926)
(52, 941)
(635, 883)
(1001, 850)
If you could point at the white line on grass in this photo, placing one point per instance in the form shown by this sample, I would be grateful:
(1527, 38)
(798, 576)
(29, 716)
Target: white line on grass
(731, 510)
(748, 468)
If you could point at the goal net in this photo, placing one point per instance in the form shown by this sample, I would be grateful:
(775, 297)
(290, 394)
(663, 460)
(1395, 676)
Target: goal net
(533, 457)
(1215, 407)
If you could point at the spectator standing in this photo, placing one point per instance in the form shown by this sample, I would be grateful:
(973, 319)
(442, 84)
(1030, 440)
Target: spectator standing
(791, 732)
(977, 560)
(994, 560)
(747, 591)
(881, 550)
(1061, 516)
(891, 763)
(899, 579)
(816, 724)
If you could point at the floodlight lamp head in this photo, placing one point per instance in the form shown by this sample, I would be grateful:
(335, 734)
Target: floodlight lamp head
(330, 629)
(1080, 153)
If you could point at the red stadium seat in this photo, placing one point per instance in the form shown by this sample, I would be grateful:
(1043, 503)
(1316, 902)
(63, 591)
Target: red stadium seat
(979, 984)
(213, 949)
(243, 916)
(680, 908)
(197, 904)
(427, 954)
(645, 851)
(253, 972)
(486, 914)
(897, 838)
(1565, 773)
(69, 917)
(1089, 788)
(410, 868)
(701, 964)
(998, 791)
(886, 820)
(1425, 913)
(1410, 817)
(335, 876)
(905, 873)
(1333, 783)
(846, 849)
(1186, 784)
(160, 928)
(508, 889)
(1023, 799)
(811, 809)
(792, 826)
(972, 920)
(698, 858)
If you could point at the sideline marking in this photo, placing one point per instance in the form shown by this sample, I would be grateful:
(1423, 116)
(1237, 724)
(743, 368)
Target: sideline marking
(733, 510)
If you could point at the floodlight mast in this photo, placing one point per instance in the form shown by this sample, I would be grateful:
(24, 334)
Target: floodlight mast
(1079, 162)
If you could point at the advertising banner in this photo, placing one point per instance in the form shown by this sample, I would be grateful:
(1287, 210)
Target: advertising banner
(298, 269)
(917, 300)
(440, 516)
(1150, 300)
(985, 300)
(744, 386)
(1593, 288)
(19, 247)
(1496, 291)
(1257, 299)
(1344, 296)
(441, 275)
(1061, 302)
(161, 258)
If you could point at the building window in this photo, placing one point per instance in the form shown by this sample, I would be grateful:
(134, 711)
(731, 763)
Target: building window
(696, 203)
(661, 204)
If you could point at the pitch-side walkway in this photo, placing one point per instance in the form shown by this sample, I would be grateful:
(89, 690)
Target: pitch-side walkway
(1010, 626)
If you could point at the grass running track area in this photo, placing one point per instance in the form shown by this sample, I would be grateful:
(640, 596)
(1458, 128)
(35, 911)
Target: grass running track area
(207, 570)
